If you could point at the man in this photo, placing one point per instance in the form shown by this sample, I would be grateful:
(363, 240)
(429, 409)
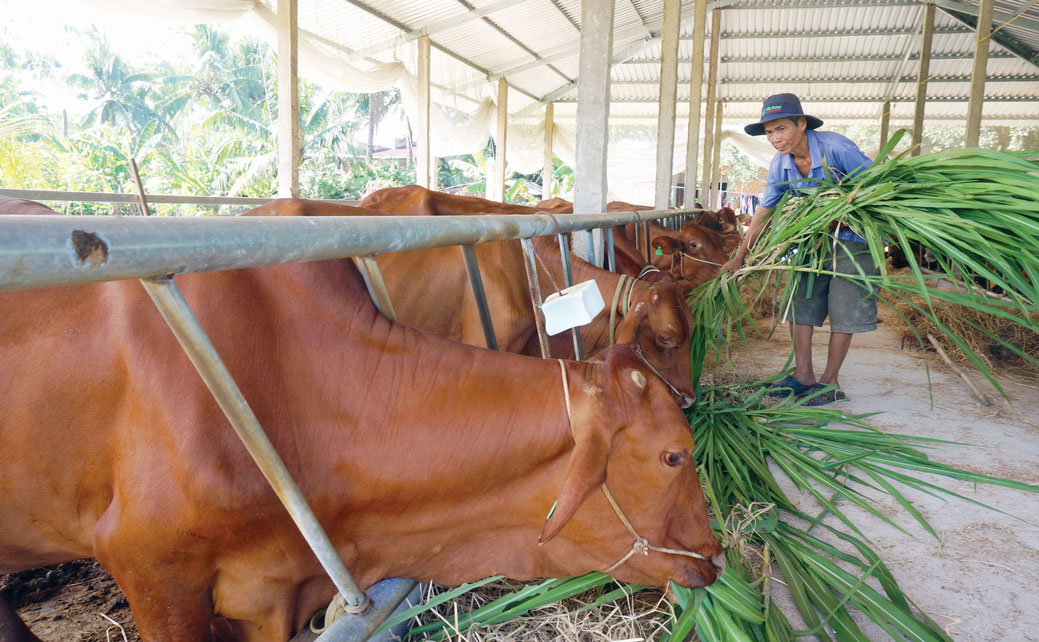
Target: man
(802, 152)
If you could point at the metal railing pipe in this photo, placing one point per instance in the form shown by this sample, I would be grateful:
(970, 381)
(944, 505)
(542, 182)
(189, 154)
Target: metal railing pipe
(170, 199)
(207, 362)
(535, 296)
(568, 280)
(472, 268)
(41, 251)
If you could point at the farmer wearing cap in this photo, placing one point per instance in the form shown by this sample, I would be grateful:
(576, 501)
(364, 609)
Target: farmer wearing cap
(802, 153)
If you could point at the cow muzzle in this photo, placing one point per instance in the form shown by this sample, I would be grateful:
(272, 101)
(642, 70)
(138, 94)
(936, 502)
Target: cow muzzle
(642, 546)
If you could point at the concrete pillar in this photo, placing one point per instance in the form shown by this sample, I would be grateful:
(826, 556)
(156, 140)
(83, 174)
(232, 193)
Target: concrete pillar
(423, 158)
(499, 140)
(593, 116)
(977, 76)
(692, 147)
(290, 136)
(885, 123)
(668, 98)
(716, 166)
(712, 80)
(546, 171)
(921, 79)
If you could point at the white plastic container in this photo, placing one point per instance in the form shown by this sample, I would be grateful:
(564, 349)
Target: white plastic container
(572, 307)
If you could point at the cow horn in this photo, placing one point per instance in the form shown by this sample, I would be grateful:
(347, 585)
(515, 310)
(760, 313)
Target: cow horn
(585, 472)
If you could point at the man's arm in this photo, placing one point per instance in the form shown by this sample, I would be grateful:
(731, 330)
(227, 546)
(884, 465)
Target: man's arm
(762, 216)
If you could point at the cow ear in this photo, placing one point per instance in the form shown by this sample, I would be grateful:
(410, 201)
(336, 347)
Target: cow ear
(585, 472)
(628, 327)
(667, 244)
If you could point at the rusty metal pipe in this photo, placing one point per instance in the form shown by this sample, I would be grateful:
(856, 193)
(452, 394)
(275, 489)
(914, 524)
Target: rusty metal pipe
(535, 296)
(195, 342)
(568, 280)
(472, 268)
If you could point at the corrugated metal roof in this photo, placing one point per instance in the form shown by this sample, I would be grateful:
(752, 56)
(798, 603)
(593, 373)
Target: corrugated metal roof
(845, 58)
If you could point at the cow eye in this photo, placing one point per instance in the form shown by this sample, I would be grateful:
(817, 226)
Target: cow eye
(665, 341)
(694, 245)
(673, 458)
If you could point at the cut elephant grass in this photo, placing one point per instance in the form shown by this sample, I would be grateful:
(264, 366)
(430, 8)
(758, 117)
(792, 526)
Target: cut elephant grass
(977, 211)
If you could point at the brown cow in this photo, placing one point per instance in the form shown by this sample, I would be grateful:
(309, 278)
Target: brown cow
(659, 322)
(407, 446)
(694, 255)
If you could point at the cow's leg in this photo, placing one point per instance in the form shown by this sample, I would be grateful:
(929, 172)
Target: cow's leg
(12, 629)
(167, 582)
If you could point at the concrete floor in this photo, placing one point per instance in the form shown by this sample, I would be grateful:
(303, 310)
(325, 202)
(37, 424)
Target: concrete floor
(979, 579)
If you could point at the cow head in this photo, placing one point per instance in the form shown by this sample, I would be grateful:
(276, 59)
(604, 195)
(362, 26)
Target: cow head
(630, 437)
(694, 254)
(659, 323)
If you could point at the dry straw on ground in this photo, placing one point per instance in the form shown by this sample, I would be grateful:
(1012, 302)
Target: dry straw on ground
(641, 616)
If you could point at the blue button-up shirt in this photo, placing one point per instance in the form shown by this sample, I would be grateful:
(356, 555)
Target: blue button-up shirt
(842, 156)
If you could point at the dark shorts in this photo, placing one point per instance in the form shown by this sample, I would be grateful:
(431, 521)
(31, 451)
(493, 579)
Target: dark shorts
(850, 306)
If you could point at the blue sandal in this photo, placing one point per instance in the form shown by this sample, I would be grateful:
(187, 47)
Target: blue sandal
(819, 397)
(785, 386)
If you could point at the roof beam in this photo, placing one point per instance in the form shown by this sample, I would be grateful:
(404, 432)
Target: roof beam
(390, 21)
(515, 41)
(833, 99)
(1001, 38)
(847, 33)
(853, 81)
(433, 27)
(621, 35)
(811, 59)
(998, 15)
(826, 4)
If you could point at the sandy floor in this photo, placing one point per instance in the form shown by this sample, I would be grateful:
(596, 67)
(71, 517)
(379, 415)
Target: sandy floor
(979, 579)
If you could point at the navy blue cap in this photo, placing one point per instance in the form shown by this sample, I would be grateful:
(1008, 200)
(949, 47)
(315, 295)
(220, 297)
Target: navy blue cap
(780, 106)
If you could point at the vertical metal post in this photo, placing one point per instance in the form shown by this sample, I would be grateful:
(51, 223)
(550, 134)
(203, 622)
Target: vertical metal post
(668, 97)
(376, 286)
(501, 133)
(547, 168)
(885, 122)
(646, 241)
(568, 280)
(712, 82)
(977, 74)
(476, 283)
(423, 156)
(290, 133)
(716, 165)
(921, 80)
(692, 148)
(207, 362)
(535, 296)
(638, 237)
(609, 250)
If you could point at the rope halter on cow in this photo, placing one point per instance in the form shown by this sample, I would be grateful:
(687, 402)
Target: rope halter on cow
(641, 545)
(682, 256)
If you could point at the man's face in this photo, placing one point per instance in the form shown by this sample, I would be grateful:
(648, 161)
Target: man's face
(785, 133)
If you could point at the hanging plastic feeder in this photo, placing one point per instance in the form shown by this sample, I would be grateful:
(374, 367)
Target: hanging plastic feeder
(575, 306)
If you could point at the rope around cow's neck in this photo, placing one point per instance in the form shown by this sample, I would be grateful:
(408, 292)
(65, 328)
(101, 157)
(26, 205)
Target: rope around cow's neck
(641, 545)
(619, 292)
